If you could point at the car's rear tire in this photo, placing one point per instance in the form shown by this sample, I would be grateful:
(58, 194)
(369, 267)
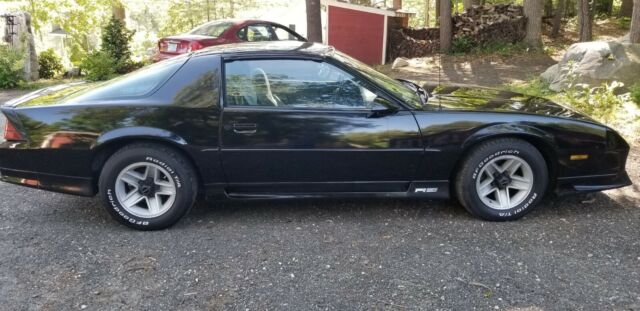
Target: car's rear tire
(502, 179)
(148, 186)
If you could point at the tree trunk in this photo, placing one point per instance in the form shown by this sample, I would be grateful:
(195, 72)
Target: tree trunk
(427, 8)
(446, 26)
(533, 12)
(548, 7)
(314, 23)
(397, 4)
(626, 8)
(557, 19)
(438, 5)
(467, 4)
(117, 9)
(634, 36)
(585, 21)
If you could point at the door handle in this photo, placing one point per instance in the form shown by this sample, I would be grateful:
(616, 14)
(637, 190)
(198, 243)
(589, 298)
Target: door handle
(245, 128)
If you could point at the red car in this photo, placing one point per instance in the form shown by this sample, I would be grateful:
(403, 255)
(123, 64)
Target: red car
(223, 32)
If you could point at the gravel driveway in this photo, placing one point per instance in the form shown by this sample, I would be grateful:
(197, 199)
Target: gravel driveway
(63, 252)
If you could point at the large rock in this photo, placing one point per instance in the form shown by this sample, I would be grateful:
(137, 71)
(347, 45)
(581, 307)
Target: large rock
(594, 63)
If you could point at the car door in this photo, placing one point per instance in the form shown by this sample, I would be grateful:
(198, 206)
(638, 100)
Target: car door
(299, 125)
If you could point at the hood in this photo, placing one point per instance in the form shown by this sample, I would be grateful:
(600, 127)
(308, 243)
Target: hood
(51, 95)
(473, 98)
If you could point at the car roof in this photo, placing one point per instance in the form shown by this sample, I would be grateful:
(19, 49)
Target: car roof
(267, 47)
(237, 22)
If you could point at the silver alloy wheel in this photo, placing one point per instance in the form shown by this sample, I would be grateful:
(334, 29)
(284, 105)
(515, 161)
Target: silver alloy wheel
(145, 190)
(504, 182)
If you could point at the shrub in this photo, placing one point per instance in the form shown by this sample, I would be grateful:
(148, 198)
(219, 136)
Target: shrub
(11, 67)
(49, 64)
(462, 44)
(635, 93)
(115, 42)
(600, 102)
(624, 23)
(98, 66)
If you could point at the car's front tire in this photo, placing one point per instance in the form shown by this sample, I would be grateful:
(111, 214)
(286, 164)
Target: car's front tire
(148, 186)
(502, 179)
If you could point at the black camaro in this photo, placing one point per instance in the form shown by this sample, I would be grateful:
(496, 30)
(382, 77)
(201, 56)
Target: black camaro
(292, 119)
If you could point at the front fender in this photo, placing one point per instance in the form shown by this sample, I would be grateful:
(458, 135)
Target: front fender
(524, 131)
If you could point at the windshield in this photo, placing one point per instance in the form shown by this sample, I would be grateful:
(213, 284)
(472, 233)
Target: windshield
(211, 29)
(396, 87)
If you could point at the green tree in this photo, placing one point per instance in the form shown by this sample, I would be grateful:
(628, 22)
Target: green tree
(115, 42)
(80, 19)
(49, 64)
(186, 15)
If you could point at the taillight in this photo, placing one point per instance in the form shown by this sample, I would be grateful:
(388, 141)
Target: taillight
(11, 133)
(195, 45)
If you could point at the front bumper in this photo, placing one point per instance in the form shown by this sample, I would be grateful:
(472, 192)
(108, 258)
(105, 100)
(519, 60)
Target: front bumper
(593, 183)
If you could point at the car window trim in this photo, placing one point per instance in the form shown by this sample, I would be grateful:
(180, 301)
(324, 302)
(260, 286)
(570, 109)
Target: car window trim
(227, 59)
(273, 25)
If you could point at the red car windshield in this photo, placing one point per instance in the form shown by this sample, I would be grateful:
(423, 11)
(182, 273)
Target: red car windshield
(211, 29)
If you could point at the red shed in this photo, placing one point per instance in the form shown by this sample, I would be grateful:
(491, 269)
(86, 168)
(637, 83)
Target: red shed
(357, 30)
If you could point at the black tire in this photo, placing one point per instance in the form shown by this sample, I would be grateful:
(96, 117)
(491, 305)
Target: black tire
(175, 164)
(481, 156)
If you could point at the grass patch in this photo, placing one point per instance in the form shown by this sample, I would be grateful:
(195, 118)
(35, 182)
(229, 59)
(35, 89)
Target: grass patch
(465, 45)
(624, 23)
(635, 93)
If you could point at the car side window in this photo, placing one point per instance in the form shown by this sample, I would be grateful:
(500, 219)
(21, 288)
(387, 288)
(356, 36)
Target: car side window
(288, 83)
(283, 34)
(255, 33)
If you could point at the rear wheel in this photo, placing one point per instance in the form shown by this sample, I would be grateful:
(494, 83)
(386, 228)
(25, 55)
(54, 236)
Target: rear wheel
(502, 179)
(148, 186)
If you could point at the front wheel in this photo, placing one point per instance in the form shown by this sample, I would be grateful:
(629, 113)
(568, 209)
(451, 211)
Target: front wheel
(502, 179)
(147, 186)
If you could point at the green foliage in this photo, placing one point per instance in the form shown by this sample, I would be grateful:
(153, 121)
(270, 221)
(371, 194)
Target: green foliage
(186, 15)
(81, 19)
(624, 23)
(534, 87)
(116, 39)
(599, 102)
(462, 44)
(49, 64)
(99, 66)
(11, 67)
(501, 48)
(635, 93)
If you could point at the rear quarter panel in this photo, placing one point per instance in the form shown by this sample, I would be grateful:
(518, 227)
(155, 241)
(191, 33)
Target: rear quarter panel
(63, 140)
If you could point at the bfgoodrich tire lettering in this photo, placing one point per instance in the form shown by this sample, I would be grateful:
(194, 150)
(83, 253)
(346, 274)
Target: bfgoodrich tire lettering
(502, 179)
(175, 170)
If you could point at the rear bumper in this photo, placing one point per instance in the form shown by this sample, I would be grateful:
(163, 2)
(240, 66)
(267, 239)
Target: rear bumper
(56, 183)
(593, 183)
